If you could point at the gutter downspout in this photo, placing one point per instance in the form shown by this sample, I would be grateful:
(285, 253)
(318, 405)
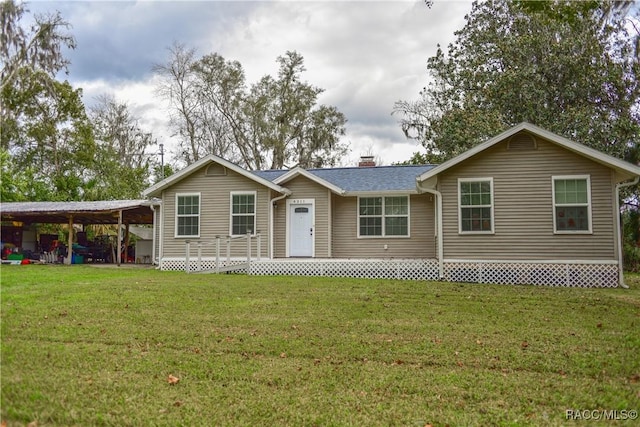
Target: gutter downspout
(440, 240)
(155, 230)
(619, 229)
(272, 207)
(161, 231)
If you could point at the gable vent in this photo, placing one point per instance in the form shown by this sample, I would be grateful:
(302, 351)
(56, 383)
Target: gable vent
(522, 142)
(216, 169)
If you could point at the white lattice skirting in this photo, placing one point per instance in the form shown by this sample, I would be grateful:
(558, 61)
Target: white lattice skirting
(402, 269)
(569, 274)
(206, 264)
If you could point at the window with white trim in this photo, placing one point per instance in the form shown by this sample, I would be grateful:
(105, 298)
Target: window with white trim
(383, 216)
(572, 204)
(243, 213)
(188, 215)
(475, 197)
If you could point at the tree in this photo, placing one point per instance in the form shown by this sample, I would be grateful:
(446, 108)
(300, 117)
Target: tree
(39, 49)
(570, 67)
(225, 105)
(422, 159)
(27, 55)
(121, 146)
(48, 133)
(275, 122)
(191, 118)
(293, 129)
(45, 130)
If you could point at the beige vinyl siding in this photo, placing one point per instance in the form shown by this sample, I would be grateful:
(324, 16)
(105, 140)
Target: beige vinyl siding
(346, 243)
(303, 188)
(523, 207)
(214, 212)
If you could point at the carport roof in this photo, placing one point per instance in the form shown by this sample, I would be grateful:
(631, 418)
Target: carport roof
(98, 212)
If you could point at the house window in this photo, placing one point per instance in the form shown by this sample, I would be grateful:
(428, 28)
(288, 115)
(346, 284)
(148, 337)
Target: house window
(383, 216)
(243, 213)
(572, 204)
(188, 215)
(476, 205)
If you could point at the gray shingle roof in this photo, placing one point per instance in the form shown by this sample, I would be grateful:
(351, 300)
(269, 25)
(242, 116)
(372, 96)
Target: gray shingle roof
(363, 179)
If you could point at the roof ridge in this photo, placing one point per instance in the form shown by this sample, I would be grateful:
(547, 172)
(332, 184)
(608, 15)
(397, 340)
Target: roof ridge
(369, 167)
(347, 168)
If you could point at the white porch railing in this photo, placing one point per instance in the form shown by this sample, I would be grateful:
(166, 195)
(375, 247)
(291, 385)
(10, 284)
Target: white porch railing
(220, 264)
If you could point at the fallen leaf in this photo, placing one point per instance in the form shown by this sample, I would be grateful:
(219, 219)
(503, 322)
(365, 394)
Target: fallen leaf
(173, 380)
(283, 355)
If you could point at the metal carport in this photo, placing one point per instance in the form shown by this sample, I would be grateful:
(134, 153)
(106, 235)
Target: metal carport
(118, 212)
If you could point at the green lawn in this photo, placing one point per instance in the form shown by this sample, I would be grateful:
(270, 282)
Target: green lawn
(95, 346)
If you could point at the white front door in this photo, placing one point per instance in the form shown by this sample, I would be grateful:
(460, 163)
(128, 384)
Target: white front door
(301, 229)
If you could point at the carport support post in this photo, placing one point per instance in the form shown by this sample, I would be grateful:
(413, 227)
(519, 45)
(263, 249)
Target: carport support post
(127, 239)
(68, 259)
(119, 248)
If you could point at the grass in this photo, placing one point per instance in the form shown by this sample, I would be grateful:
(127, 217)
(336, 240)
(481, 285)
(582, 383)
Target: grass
(96, 346)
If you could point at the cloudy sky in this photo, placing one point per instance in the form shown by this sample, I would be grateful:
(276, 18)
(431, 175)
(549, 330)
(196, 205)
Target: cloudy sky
(366, 55)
